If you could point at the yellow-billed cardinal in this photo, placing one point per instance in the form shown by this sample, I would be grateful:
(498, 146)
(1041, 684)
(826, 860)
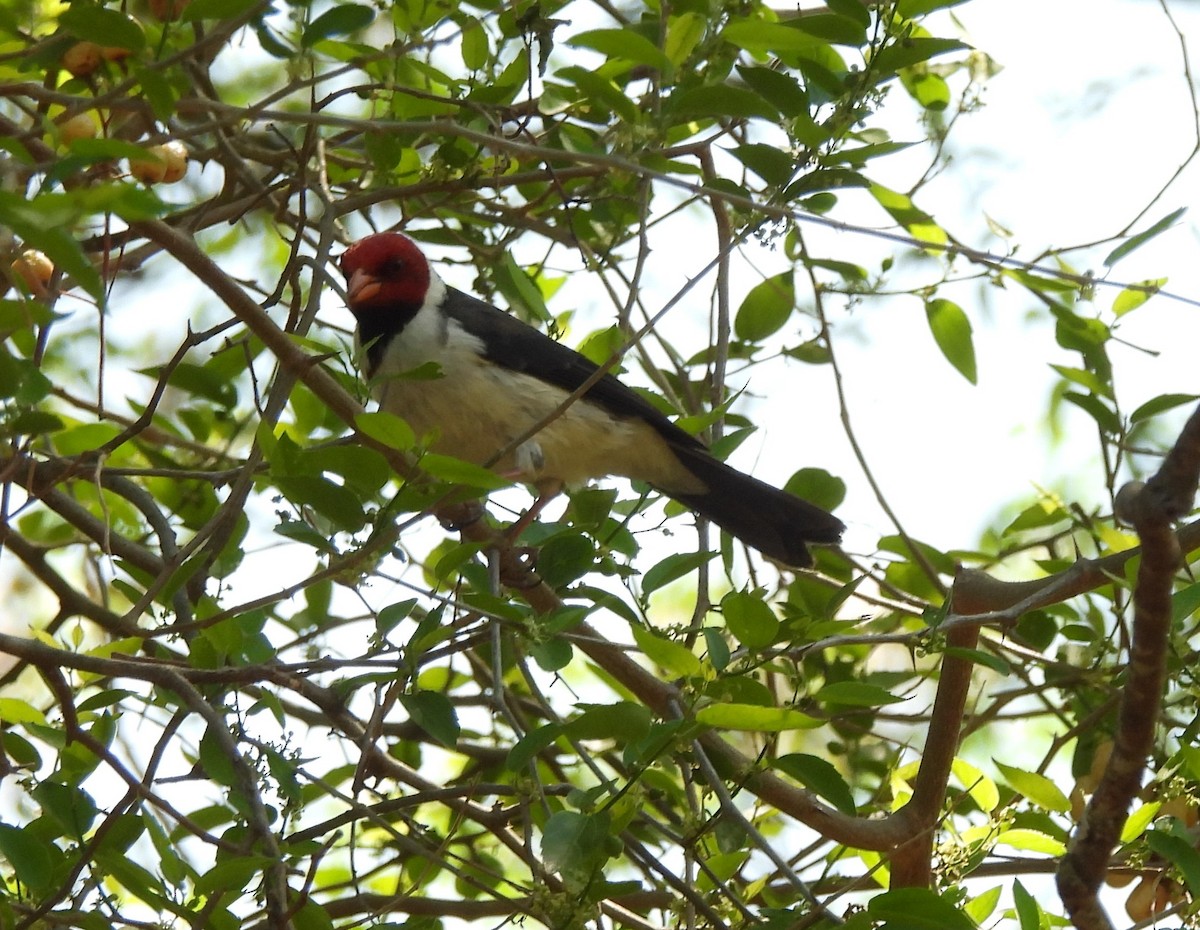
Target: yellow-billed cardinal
(497, 378)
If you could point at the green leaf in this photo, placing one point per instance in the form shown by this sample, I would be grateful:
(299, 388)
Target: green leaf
(564, 558)
(820, 776)
(625, 44)
(755, 718)
(919, 224)
(159, 92)
(360, 467)
(337, 504)
(912, 50)
(750, 619)
(817, 486)
(676, 659)
(840, 30)
(982, 906)
(529, 745)
(1032, 841)
(386, 429)
(574, 845)
(762, 37)
(33, 423)
(1138, 820)
(1104, 416)
(766, 308)
(1184, 603)
(456, 471)
(14, 710)
(929, 90)
(68, 805)
(314, 916)
(102, 25)
(780, 89)
(623, 720)
(433, 713)
(854, 10)
(684, 33)
(520, 288)
(979, 657)
(855, 694)
(231, 875)
(718, 648)
(1181, 853)
(1136, 242)
(601, 92)
(337, 21)
(1029, 912)
(917, 909)
(301, 532)
(1037, 788)
(981, 788)
(713, 102)
(84, 438)
(1157, 405)
(672, 568)
(476, 51)
(914, 9)
(769, 162)
(30, 857)
(952, 332)
(1088, 380)
(1135, 295)
(552, 655)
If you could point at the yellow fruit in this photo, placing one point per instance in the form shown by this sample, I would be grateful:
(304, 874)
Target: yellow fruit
(151, 169)
(175, 155)
(82, 58)
(79, 126)
(163, 164)
(1151, 896)
(34, 269)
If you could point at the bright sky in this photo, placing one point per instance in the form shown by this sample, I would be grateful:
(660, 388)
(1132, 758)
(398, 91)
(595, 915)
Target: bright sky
(1088, 120)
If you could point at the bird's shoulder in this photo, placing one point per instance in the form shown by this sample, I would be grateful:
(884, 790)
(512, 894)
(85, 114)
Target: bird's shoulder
(517, 346)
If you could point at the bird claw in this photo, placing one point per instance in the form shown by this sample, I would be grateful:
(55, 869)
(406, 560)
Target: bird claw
(518, 568)
(457, 517)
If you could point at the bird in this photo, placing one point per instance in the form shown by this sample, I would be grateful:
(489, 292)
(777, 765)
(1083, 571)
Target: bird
(475, 380)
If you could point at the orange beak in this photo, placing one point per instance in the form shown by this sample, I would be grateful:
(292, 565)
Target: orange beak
(362, 288)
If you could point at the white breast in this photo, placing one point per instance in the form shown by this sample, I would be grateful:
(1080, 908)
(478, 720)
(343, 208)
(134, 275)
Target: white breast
(477, 409)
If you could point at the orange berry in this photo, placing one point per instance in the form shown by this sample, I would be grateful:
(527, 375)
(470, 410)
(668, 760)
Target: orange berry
(79, 126)
(151, 169)
(82, 58)
(175, 156)
(34, 269)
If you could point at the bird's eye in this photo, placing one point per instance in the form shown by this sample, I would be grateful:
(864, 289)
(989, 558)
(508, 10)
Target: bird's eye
(394, 267)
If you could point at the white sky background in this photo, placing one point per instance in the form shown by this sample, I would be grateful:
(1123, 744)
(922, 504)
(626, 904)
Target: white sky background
(1088, 120)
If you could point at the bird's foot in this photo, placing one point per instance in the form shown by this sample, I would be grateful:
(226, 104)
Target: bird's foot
(458, 516)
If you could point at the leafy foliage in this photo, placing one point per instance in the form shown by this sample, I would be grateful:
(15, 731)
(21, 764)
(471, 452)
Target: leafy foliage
(247, 685)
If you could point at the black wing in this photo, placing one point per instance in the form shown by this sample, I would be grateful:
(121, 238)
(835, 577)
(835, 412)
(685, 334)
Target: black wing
(519, 347)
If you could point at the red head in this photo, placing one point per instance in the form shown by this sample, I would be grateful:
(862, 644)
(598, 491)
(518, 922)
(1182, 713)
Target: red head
(385, 271)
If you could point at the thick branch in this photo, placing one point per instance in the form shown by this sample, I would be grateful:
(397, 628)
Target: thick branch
(1151, 509)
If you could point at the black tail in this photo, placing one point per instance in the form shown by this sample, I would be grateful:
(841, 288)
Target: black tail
(776, 523)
